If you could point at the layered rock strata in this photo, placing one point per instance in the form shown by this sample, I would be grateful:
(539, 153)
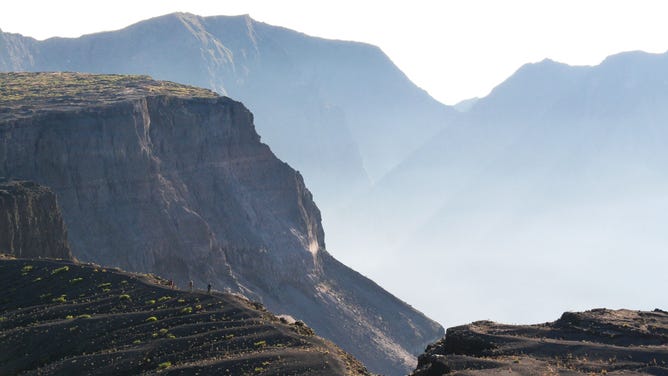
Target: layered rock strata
(30, 221)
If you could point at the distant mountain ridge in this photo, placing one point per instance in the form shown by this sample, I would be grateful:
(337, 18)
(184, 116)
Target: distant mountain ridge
(340, 112)
(559, 172)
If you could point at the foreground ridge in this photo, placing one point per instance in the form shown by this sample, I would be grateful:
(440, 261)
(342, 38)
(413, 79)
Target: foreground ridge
(59, 317)
(600, 341)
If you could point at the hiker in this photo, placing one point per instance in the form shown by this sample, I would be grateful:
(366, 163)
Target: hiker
(191, 285)
(208, 288)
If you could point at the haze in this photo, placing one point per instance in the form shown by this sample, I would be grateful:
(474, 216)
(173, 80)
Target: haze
(546, 196)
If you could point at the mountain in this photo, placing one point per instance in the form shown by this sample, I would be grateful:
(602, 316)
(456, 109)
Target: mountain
(30, 221)
(340, 112)
(600, 341)
(158, 177)
(555, 182)
(65, 318)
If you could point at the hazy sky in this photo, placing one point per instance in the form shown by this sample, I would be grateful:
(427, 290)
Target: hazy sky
(453, 49)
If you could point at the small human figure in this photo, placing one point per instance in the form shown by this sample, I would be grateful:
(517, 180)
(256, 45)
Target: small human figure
(191, 285)
(208, 288)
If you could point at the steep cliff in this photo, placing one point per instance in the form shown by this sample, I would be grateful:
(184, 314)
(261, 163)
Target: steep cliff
(158, 177)
(600, 341)
(30, 221)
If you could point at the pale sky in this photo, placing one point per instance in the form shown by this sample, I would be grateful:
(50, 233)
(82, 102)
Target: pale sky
(453, 49)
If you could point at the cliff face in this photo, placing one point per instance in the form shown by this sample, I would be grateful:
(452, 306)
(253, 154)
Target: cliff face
(600, 341)
(30, 221)
(182, 186)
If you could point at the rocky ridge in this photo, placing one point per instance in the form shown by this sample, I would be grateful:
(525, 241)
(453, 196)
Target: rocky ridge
(60, 317)
(600, 341)
(30, 221)
(160, 178)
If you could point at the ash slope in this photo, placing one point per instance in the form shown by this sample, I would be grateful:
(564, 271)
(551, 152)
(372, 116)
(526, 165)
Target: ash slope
(599, 341)
(163, 178)
(58, 317)
(31, 224)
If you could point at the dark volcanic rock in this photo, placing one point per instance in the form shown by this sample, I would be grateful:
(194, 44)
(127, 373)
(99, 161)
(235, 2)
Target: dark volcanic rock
(163, 178)
(599, 341)
(61, 318)
(30, 221)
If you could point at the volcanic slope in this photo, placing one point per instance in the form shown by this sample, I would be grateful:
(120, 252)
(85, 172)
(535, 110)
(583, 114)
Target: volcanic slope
(600, 341)
(58, 317)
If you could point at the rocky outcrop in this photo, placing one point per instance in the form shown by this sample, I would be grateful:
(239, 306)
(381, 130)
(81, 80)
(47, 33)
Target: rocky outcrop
(30, 221)
(600, 341)
(163, 178)
(61, 318)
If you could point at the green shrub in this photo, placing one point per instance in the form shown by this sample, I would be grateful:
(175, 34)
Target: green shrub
(164, 365)
(26, 269)
(124, 297)
(69, 317)
(164, 298)
(260, 343)
(60, 270)
(76, 280)
(84, 316)
(136, 342)
(60, 299)
(104, 285)
(150, 302)
(186, 310)
(151, 319)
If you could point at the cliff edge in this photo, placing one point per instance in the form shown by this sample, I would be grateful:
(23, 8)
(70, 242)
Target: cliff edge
(30, 221)
(158, 177)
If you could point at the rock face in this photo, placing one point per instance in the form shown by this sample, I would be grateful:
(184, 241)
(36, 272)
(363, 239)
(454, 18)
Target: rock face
(53, 316)
(163, 178)
(30, 221)
(599, 341)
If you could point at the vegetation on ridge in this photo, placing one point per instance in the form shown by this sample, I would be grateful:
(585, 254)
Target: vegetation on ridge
(19, 90)
(50, 326)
